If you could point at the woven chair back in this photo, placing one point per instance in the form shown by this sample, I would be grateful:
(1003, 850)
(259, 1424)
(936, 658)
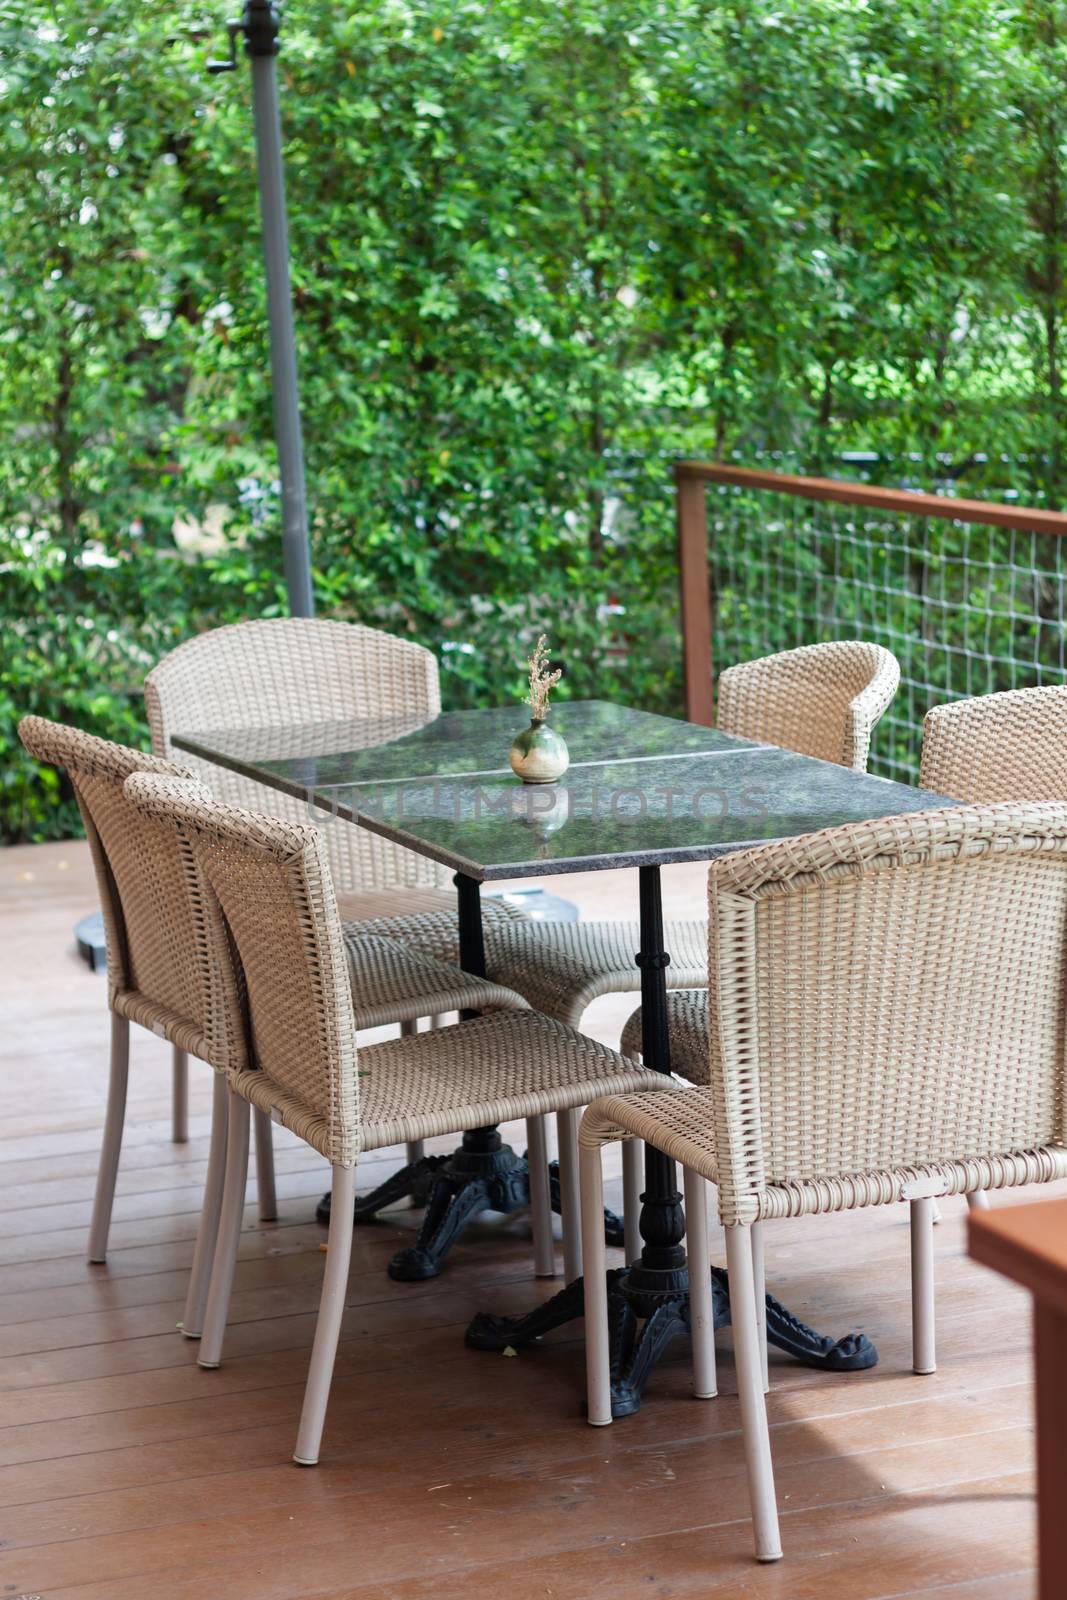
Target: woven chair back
(887, 996)
(296, 672)
(162, 967)
(269, 891)
(823, 700)
(1010, 746)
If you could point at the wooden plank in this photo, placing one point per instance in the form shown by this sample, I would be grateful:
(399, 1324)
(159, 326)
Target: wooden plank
(862, 1548)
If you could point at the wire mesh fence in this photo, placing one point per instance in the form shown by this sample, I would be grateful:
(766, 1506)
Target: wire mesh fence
(967, 608)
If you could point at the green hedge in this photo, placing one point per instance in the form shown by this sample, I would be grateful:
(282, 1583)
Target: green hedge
(537, 248)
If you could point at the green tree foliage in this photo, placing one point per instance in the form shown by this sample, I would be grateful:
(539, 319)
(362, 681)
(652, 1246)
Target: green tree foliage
(537, 249)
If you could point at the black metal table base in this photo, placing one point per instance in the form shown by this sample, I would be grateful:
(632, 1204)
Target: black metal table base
(648, 1301)
(644, 1320)
(454, 1190)
(414, 1181)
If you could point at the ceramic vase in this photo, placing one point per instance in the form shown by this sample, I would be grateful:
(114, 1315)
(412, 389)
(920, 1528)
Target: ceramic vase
(539, 754)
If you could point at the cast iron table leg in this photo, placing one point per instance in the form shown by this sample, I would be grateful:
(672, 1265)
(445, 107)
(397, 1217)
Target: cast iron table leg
(484, 1174)
(648, 1302)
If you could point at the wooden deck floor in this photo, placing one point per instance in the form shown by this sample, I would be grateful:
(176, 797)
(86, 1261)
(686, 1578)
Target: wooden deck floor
(127, 1473)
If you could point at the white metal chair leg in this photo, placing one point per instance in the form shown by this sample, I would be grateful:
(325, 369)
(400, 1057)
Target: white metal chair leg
(755, 1433)
(208, 1231)
(701, 1309)
(114, 1119)
(978, 1200)
(597, 1337)
(923, 1344)
(233, 1204)
(633, 1181)
(331, 1310)
(415, 1149)
(180, 1097)
(544, 1244)
(759, 1283)
(265, 1189)
(570, 1204)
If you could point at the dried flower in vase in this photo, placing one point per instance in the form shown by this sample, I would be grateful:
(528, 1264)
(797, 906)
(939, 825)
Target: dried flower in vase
(542, 682)
(539, 754)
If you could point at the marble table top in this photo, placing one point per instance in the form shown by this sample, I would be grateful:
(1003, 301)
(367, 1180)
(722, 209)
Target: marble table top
(641, 789)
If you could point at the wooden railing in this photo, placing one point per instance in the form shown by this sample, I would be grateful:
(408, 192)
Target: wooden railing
(692, 479)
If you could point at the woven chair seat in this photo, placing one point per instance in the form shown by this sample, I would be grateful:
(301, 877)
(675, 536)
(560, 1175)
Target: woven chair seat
(487, 1070)
(362, 905)
(559, 967)
(679, 1124)
(391, 983)
(687, 1024)
(431, 928)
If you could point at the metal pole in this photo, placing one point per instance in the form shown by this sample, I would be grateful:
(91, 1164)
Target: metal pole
(260, 26)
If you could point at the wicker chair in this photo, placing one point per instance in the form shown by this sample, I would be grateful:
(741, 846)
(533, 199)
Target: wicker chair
(886, 1023)
(822, 700)
(1010, 746)
(299, 671)
(164, 974)
(267, 888)
(152, 977)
